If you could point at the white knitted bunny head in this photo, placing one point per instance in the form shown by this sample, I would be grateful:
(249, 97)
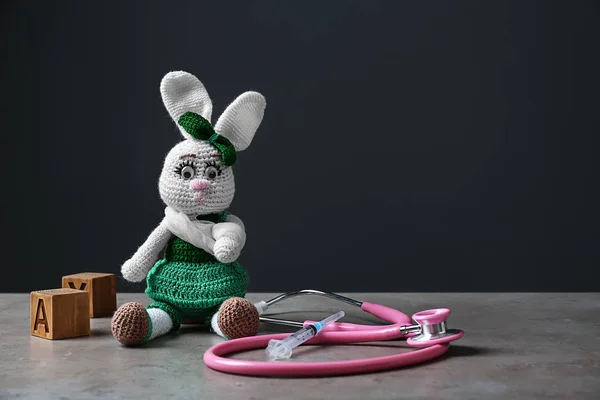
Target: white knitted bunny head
(197, 177)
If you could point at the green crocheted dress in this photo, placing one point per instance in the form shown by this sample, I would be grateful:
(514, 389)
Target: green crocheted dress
(189, 283)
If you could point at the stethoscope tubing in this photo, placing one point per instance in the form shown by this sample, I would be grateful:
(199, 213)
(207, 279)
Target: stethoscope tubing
(214, 359)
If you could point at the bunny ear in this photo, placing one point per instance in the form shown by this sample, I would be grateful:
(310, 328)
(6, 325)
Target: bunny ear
(182, 92)
(241, 119)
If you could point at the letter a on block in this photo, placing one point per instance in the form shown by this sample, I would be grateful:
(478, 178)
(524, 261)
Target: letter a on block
(40, 316)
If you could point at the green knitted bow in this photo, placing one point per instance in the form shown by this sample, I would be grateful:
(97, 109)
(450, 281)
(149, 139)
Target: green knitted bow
(199, 128)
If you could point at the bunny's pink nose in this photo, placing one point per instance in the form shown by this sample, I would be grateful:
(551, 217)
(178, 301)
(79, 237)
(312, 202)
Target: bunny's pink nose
(199, 184)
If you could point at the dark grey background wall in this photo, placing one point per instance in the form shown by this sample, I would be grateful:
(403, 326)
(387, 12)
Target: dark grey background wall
(407, 146)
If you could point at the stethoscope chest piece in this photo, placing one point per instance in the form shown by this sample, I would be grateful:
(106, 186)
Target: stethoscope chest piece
(432, 328)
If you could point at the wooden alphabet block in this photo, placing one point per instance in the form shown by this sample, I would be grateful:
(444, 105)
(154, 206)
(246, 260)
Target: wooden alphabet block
(59, 313)
(101, 287)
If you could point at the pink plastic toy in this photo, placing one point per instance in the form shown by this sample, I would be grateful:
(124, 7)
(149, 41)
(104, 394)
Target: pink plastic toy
(429, 333)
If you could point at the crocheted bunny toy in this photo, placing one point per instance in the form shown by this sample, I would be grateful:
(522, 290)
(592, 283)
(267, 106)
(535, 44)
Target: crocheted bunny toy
(198, 278)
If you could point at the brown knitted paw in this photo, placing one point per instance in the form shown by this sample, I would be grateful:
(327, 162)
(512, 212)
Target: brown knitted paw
(238, 318)
(130, 324)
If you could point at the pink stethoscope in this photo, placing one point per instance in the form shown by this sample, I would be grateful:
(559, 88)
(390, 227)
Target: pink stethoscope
(429, 334)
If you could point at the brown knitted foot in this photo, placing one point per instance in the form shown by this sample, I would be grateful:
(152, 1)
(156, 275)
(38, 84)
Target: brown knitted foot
(238, 318)
(130, 324)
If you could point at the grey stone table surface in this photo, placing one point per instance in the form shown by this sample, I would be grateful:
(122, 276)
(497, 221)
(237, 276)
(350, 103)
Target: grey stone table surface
(516, 346)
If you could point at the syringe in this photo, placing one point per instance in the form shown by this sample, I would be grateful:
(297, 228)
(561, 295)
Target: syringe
(283, 348)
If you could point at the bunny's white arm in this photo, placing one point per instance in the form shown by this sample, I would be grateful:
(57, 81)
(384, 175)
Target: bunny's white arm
(230, 238)
(198, 233)
(224, 240)
(136, 268)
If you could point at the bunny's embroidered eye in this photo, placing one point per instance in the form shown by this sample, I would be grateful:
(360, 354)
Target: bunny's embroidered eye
(212, 170)
(187, 172)
(186, 169)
